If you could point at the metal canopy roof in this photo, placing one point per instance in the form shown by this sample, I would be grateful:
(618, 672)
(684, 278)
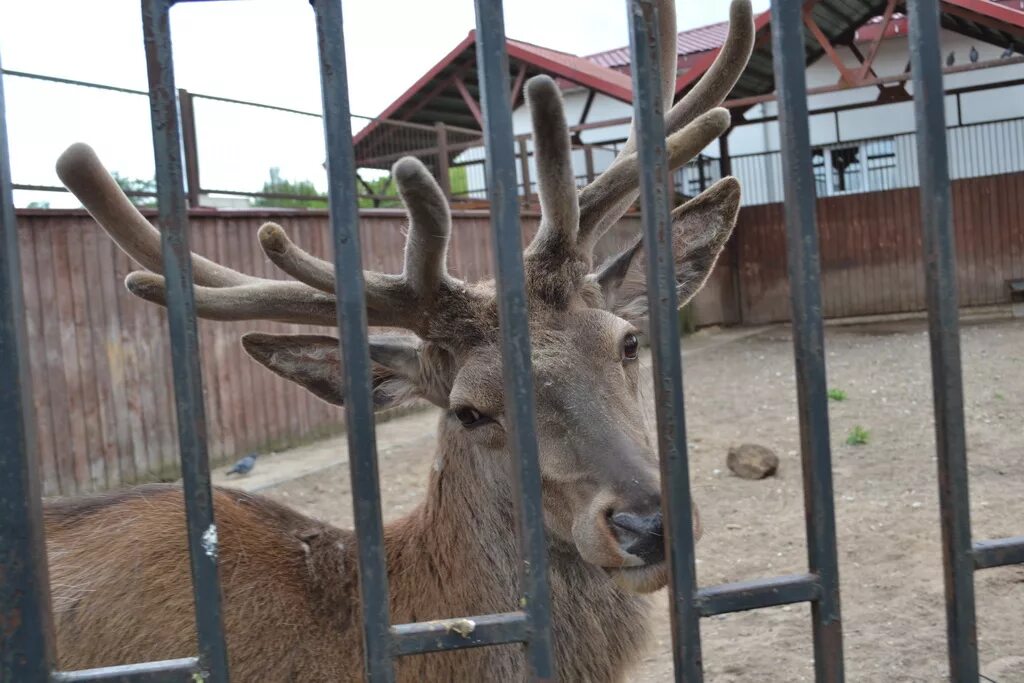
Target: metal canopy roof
(442, 94)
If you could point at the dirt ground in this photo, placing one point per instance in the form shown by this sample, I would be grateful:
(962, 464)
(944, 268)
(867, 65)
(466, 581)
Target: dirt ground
(741, 389)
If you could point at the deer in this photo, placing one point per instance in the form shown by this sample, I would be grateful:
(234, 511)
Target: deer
(120, 579)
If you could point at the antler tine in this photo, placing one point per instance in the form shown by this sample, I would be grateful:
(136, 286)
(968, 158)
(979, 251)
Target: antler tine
(221, 293)
(430, 225)
(387, 296)
(718, 81)
(82, 172)
(597, 213)
(556, 185)
(277, 300)
(620, 189)
(294, 260)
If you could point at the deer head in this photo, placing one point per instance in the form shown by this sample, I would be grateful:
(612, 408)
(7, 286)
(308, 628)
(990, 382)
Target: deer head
(599, 468)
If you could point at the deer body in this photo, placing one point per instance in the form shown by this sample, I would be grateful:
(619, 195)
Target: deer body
(291, 603)
(120, 576)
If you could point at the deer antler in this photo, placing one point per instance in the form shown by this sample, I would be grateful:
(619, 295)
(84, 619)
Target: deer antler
(222, 293)
(691, 124)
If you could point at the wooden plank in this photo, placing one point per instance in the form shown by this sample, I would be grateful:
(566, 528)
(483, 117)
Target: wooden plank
(1016, 221)
(128, 314)
(881, 203)
(250, 420)
(203, 240)
(965, 266)
(78, 285)
(1004, 237)
(109, 290)
(898, 232)
(225, 358)
(28, 235)
(55, 377)
(96, 308)
(69, 361)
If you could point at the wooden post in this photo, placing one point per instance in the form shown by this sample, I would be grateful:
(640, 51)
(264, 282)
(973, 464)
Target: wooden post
(191, 149)
(588, 155)
(524, 164)
(443, 176)
(733, 245)
(725, 159)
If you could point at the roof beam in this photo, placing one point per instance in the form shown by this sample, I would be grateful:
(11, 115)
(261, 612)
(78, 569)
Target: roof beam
(826, 45)
(436, 90)
(460, 85)
(865, 68)
(884, 80)
(987, 14)
(517, 87)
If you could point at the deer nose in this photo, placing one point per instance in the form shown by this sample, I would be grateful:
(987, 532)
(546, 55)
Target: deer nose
(640, 535)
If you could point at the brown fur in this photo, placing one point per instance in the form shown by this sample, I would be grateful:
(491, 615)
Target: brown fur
(291, 605)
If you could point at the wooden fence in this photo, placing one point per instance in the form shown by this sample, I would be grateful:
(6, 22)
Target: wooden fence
(871, 260)
(100, 358)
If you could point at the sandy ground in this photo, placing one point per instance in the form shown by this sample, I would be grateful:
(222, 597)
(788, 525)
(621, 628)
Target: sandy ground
(740, 388)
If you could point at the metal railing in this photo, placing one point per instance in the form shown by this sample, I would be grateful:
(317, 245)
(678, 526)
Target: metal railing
(27, 638)
(884, 163)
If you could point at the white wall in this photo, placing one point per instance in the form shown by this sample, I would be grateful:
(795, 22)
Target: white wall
(761, 175)
(891, 119)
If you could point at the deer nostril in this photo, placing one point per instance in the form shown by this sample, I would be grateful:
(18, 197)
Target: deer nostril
(640, 535)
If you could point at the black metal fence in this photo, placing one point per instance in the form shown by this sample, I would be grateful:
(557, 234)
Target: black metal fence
(26, 639)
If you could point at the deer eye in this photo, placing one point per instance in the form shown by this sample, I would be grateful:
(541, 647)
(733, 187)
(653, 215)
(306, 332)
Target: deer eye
(472, 418)
(630, 347)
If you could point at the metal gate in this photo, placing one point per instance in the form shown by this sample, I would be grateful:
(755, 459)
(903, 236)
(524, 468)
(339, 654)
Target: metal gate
(26, 638)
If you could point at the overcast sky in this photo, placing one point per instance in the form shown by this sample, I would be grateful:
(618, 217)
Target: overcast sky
(259, 50)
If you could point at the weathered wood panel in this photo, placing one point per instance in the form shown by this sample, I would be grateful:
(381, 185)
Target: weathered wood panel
(871, 259)
(100, 363)
(100, 358)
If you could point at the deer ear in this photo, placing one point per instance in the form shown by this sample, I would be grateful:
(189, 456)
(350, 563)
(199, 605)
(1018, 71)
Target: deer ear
(700, 229)
(314, 362)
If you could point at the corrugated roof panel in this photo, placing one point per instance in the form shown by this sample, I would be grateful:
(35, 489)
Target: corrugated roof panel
(687, 43)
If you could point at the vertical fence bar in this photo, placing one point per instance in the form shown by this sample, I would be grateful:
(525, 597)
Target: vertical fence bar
(944, 331)
(181, 316)
(26, 645)
(535, 594)
(808, 336)
(664, 329)
(352, 323)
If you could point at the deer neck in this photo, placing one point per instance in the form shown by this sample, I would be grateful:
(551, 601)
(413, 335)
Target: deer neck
(457, 555)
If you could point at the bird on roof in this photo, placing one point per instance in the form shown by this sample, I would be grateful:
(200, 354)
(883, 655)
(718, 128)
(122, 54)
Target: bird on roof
(974, 55)
(243, 466)
(1008, 52)
(951, 59)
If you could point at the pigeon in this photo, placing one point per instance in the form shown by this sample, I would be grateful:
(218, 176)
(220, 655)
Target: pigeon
(951, 59)
(243, 466)
(1007, 53)
(974, 55)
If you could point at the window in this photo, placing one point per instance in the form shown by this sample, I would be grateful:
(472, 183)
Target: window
(860, 167)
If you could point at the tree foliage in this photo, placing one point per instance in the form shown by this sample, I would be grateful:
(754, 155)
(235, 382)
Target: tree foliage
(130, 185)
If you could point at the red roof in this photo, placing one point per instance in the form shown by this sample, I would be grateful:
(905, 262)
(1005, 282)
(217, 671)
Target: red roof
(688, 42)
(581, 70)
